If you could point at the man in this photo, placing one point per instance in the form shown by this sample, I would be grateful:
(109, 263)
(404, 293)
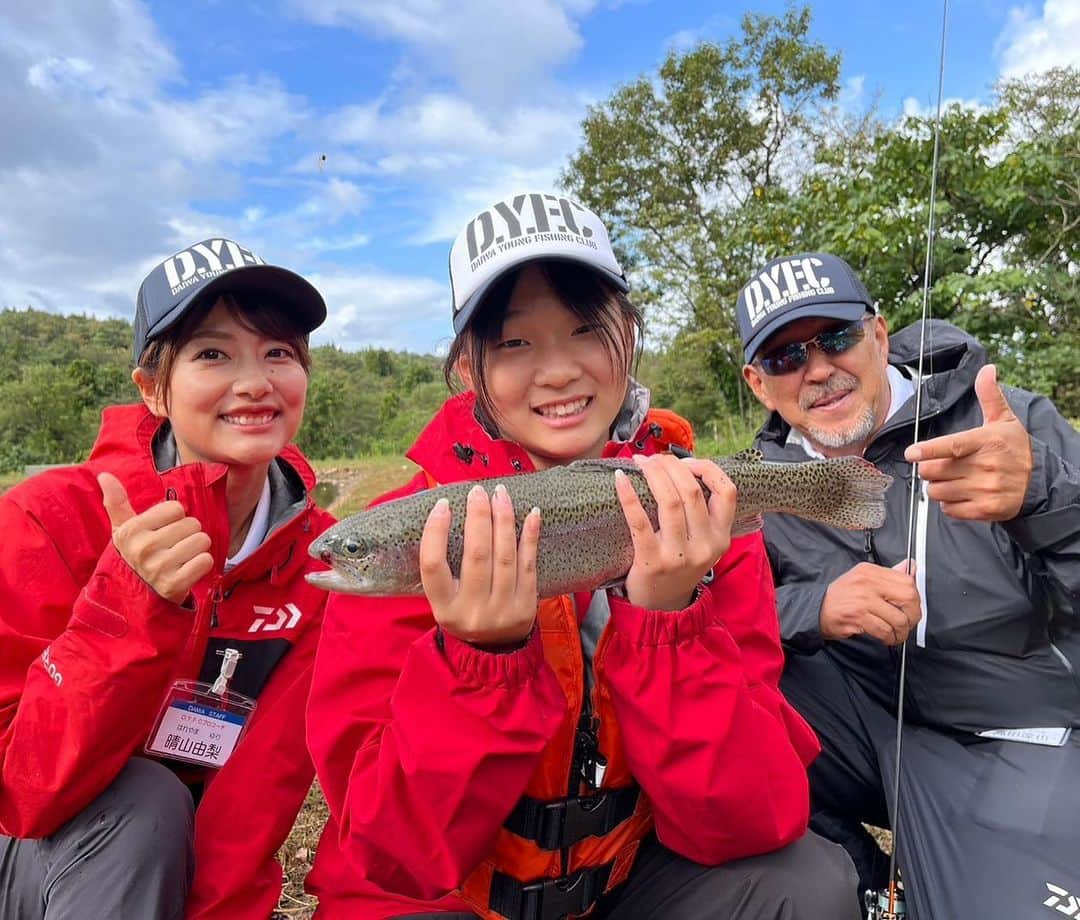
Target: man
(989, 810)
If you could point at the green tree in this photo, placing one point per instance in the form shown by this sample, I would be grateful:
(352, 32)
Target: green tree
(730, 156)
(1007, 212)
(688, 165)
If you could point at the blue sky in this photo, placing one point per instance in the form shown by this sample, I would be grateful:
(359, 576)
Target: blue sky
(131, 130)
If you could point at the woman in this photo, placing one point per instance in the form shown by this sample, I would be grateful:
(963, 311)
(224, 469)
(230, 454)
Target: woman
(488, 754)
(157, 631)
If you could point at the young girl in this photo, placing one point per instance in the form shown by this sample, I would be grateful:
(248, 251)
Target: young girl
(157, 631)
(627, 753)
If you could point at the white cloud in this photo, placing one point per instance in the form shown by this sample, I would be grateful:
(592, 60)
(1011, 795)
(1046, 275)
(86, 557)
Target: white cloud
(378, 309)
(234, 124)
(1035, 41)
(913, 106)
(710, 30)
(853, 92)
(495, 50)
(105, 149)
(434, 128)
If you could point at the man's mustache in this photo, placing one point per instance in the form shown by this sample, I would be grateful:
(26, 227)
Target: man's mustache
(838, 383)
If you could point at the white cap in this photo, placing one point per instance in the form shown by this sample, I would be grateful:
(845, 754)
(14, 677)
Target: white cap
(522, 228)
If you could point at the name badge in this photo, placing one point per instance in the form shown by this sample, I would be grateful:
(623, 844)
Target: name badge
(201, 723)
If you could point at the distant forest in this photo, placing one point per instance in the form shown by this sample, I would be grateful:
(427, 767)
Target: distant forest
(58, 372)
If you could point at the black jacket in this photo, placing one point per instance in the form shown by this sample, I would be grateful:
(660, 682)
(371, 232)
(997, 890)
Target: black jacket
(1002, 643)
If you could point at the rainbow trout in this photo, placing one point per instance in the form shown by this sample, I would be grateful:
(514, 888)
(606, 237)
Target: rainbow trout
(584, 538)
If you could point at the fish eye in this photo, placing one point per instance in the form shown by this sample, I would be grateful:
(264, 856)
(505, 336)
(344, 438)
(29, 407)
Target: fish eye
(353, 547)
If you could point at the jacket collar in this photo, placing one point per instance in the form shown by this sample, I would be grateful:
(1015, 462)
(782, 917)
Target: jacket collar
(132, 442)
(455, 447)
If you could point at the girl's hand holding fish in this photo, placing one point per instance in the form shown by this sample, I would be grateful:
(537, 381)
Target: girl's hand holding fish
(493, 603)
(693, 534)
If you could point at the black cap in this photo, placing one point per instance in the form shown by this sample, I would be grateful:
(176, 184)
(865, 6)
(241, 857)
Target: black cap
(794, 287)
(210, 267)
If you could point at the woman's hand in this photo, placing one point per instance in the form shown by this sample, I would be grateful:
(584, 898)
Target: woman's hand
(670, 562)
(493, 602)
(164, 547)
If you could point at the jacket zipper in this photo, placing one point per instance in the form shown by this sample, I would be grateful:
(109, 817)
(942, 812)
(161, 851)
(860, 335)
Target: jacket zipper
(216, 597)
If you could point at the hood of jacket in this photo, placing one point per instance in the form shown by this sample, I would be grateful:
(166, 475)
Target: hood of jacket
(455, 446)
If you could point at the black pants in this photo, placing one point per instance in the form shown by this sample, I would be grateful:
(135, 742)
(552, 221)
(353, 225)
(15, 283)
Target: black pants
(812, 879)
(126, 856)
(987, 829)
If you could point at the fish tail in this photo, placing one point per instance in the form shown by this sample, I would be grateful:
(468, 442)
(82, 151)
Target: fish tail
(857, 494)
(746, 523)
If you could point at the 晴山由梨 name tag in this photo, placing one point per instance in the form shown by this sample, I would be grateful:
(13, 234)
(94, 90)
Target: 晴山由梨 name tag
(202, 723)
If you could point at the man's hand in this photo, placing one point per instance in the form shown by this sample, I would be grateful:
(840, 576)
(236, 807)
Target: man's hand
(872, 600)
(164, 547)
(981, 474)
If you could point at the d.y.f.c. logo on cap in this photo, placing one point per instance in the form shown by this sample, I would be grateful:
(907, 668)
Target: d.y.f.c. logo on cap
(783, 284)
(203, 261)
(522, 221)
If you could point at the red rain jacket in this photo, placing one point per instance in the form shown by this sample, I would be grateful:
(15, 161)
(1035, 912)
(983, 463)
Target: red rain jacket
(88, 651)
(424, 746)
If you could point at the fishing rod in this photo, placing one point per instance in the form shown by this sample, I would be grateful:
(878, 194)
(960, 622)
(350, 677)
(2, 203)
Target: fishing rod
(889, 904)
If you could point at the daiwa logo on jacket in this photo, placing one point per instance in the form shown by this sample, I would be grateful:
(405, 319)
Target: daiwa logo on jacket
(272, 619)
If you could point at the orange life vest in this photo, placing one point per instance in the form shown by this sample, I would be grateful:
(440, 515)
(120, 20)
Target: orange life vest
(569, 840)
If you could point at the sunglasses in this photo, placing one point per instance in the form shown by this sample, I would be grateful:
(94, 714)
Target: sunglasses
(789, 358)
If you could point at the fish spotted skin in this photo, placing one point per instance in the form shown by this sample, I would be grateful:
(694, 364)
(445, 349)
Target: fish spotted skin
(585, 541)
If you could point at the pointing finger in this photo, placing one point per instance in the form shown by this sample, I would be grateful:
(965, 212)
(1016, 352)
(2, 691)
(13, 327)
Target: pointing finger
(641, 529)
(528, 550)
(948, 447)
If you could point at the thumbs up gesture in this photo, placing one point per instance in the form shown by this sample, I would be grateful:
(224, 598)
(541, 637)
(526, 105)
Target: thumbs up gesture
(164, 547)
(980, 474)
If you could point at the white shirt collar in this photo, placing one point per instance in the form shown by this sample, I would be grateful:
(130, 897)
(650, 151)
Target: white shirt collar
(260, 522)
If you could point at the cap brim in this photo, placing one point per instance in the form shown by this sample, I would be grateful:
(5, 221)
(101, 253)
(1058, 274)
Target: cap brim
(309, 308)
(845, 311)
(462, 317)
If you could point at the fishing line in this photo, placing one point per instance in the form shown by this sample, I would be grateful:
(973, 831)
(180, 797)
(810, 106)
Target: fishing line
(916, 483)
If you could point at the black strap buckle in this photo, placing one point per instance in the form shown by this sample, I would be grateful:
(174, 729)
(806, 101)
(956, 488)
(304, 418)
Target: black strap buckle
(562, 823)
(549, 899)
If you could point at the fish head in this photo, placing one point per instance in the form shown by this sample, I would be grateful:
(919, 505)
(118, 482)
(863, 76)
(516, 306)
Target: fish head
(365, 559)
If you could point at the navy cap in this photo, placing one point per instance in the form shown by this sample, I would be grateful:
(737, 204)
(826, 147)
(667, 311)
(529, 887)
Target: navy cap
(215, 266)
(794, 287)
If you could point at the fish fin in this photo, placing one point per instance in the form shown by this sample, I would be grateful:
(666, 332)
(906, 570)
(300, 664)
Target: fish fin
(746, 523)
(607, 463)
(749, 455)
